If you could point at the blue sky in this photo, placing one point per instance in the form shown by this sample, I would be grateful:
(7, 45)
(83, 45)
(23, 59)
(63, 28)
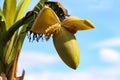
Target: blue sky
(99, 48)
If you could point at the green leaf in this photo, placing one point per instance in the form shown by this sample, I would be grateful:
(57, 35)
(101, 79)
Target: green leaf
(1, 14)
(9, 10)
(16, 51)
(9, 48)
(21, 8)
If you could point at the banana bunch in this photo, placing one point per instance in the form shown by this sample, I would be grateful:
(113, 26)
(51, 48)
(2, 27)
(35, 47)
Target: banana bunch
(48, 23)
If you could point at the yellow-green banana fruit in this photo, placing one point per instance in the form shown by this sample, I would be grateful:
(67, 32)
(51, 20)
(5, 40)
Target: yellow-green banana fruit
(67, 47)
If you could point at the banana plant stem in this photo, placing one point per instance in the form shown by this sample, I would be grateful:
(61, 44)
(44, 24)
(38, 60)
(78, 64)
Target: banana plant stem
(17, 25)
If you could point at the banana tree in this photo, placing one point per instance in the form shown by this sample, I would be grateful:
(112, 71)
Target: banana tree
(47, 19)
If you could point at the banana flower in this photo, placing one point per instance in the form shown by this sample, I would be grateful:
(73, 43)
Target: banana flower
(48, 23)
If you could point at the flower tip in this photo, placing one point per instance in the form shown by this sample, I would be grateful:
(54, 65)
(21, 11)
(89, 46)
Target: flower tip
(89, 23)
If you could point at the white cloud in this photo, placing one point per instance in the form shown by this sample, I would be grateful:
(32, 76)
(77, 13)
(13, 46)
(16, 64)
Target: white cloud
(113, 42)
(108, 50)
(33, 59)
(109, 55)
(111, 73)
(59, 76)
